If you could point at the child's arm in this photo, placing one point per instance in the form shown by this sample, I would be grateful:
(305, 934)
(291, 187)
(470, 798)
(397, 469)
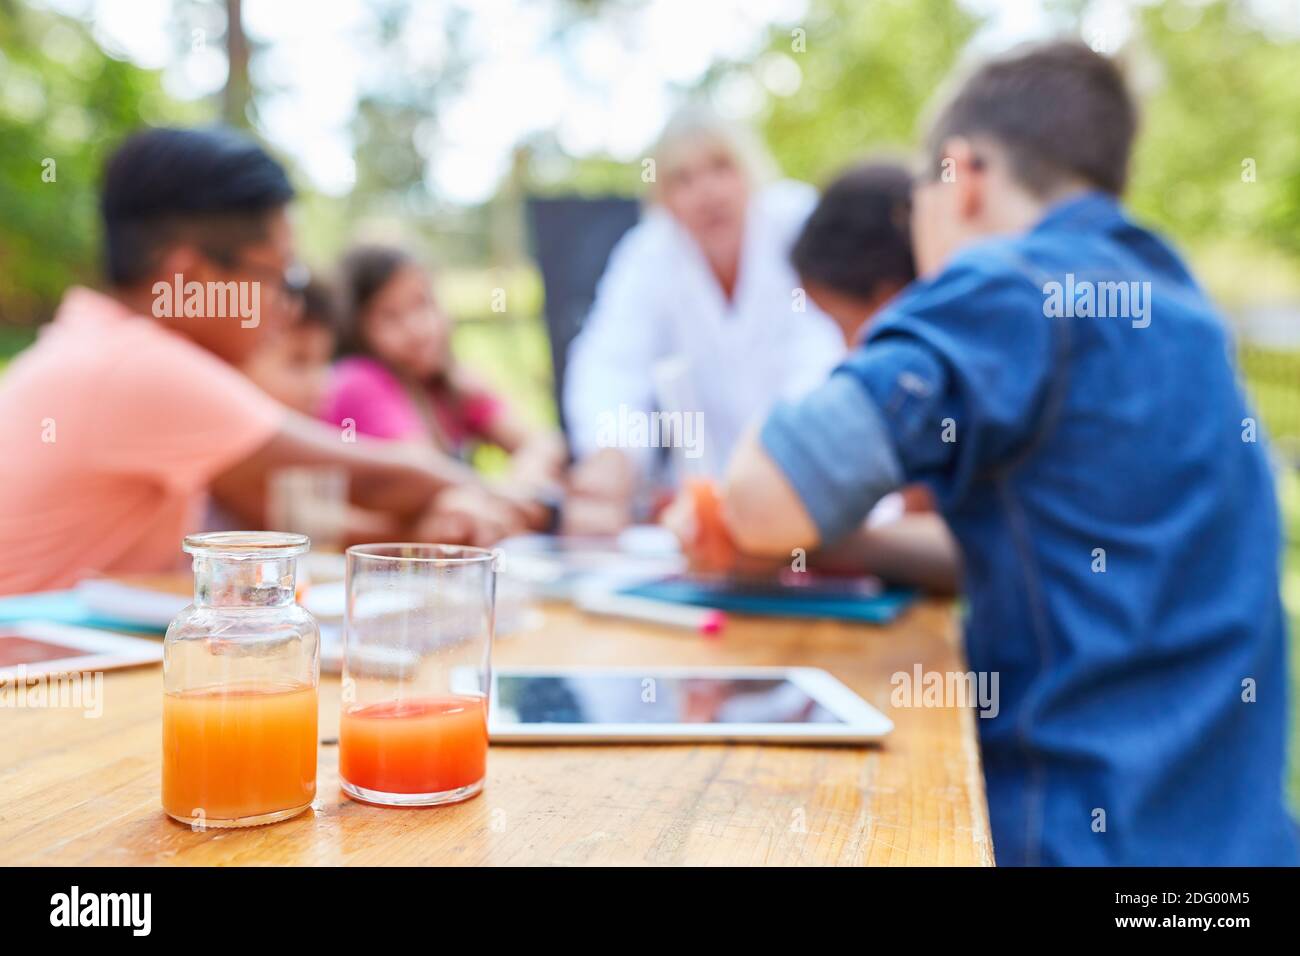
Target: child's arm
(537, 455)
(814, 470)
(953, 384)
(761, 511)
(917, 550)
(397, 478)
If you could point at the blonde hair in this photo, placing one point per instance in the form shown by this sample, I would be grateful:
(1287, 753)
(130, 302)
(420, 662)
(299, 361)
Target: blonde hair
(694, 125)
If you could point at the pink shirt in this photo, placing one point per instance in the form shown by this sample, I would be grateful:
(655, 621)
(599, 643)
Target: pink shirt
(364, 392)
(111, 429)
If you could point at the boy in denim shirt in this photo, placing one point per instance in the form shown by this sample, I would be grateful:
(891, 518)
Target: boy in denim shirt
(1062, 385)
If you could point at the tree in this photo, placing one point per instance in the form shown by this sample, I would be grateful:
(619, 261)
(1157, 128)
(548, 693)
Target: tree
(238, 92)
(1219, 153)
(66, 104)
(849, 78)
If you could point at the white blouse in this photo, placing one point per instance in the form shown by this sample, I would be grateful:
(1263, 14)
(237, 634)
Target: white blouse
(662, 337)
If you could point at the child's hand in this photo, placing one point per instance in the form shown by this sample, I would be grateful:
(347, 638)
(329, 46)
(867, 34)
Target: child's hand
(695, 517)
(608, 475)
(599, 494)
(529, 502)
(469, 514)
(594, 516)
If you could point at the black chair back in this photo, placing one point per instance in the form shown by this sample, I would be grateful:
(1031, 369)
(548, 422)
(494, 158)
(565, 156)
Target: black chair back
(572, 237)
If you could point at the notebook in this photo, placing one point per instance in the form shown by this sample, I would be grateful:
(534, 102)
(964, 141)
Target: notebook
(97, 604)
(842, 599)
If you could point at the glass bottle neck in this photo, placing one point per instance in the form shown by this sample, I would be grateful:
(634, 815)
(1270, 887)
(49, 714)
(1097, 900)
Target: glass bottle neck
(227, 582)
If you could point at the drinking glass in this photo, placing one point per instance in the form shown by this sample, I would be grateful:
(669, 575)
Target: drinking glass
(417, 648)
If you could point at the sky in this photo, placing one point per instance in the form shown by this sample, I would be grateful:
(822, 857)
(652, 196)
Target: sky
(520, 82)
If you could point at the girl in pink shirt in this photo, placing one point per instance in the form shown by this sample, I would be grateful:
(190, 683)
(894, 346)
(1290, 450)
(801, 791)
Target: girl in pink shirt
(398, 378)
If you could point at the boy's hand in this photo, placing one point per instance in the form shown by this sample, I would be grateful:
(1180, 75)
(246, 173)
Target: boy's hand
(695, 517)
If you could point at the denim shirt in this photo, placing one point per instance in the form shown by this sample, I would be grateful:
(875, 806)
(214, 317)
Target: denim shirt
(1068, 396)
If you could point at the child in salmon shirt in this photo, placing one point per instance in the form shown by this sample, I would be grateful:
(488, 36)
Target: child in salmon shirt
(130, 413)
(398, 379)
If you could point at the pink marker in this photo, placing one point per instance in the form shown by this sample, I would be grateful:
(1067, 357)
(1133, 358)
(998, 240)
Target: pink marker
(714, 622)
(705, 620)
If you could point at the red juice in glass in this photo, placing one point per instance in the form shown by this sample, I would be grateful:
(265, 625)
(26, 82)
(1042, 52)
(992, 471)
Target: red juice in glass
(421, 746)
(417, 666)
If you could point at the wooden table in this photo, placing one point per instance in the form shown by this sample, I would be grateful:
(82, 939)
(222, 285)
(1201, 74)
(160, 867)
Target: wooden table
(81, 791)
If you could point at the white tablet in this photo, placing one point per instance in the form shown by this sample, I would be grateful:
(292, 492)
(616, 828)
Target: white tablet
(789, 705)
(36, 649)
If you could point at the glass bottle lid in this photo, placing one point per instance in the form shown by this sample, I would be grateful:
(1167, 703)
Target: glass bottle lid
(247, 545)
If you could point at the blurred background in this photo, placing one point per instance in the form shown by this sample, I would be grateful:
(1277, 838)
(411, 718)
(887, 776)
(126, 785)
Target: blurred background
(432, 123)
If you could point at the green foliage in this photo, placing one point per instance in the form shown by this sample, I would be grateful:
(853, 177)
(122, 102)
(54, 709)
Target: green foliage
(395, 125)
(1289, 493)
(1272, 378)
(513, 356)
(63, 104)
(1217, 88)
(585, 176)
(1225, 98)
(867, 71)
(508, 348)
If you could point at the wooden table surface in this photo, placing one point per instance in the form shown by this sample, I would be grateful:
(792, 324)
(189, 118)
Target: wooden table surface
(85, 791)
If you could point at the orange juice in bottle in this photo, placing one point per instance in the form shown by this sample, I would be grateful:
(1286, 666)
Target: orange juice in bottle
(241, 666)
(239, 753)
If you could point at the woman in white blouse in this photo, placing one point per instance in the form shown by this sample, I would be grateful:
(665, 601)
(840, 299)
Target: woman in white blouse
(699, 313)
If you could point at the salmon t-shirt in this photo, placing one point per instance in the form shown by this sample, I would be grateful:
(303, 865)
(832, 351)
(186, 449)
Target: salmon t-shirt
(111, 429)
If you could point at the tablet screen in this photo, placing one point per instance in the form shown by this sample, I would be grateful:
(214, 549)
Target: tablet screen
(630, 699)
(16, 649)
(35, 649)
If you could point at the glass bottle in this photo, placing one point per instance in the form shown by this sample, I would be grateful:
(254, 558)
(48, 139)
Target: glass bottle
(241, 668)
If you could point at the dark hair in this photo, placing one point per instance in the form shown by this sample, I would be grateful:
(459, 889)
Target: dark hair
(363, 271)
(212, 186)
(859, 235)
(1058, 109)
(320, 307)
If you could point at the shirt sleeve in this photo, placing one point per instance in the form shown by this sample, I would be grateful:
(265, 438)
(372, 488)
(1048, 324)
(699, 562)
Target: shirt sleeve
(950, 384)
(834, 449)
(480, 410)
(961, 368)
(174, 413)
(364, 393)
